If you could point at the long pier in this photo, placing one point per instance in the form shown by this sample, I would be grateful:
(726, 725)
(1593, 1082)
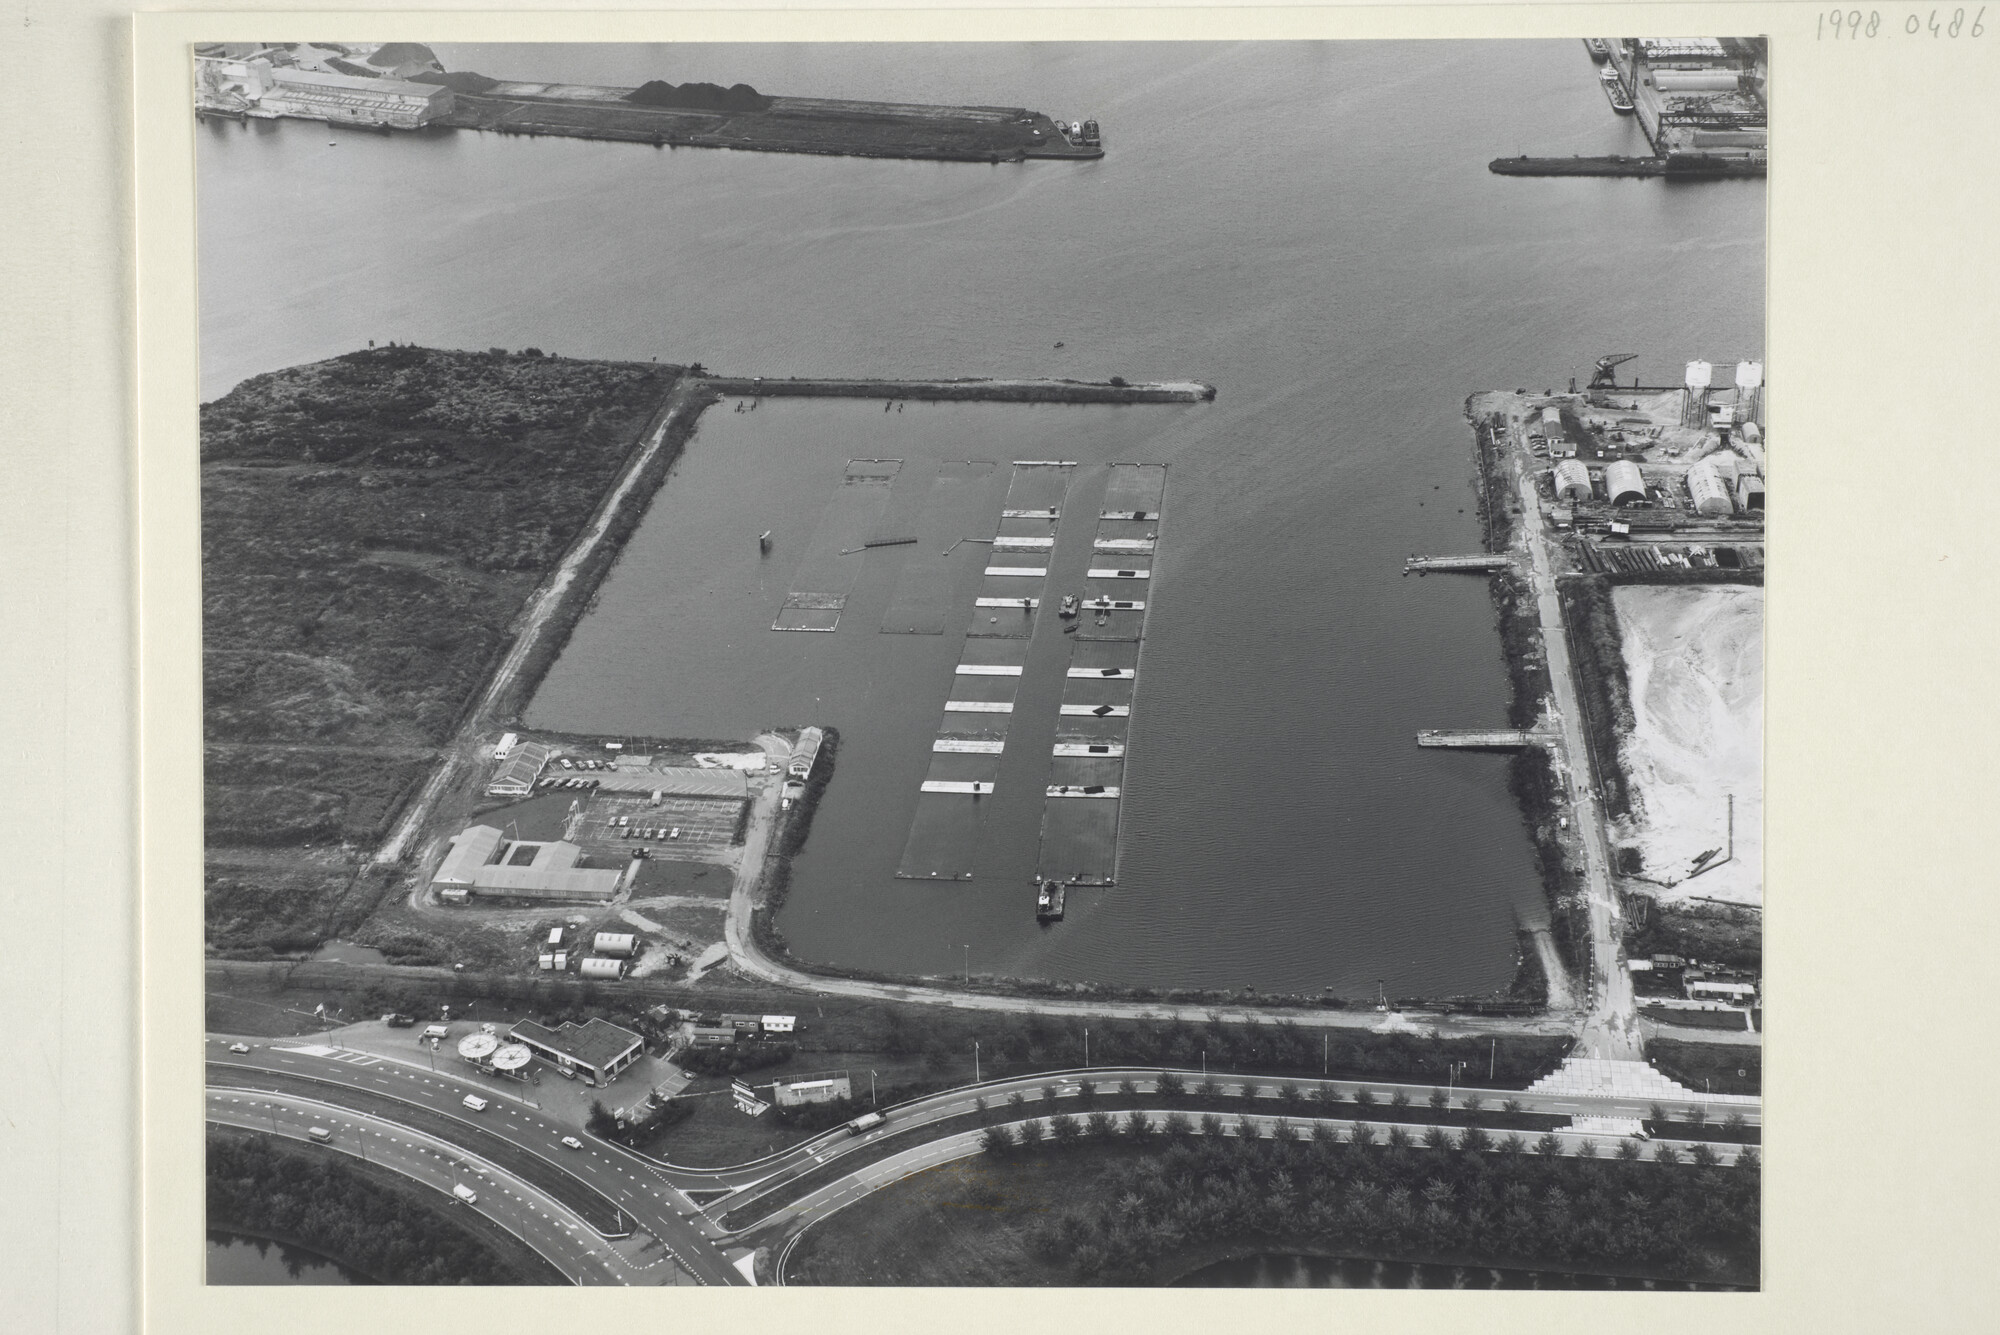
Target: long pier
(1494, 739)
(1044, 390)
(1483, 561)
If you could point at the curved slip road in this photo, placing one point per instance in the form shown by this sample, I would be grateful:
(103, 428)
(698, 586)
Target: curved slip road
(555, 1232)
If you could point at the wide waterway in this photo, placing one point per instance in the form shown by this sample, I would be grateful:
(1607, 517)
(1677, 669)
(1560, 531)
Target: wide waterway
(1309, 227)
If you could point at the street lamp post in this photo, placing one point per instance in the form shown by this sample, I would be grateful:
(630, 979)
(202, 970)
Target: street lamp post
(968, 966)
(975, 1062)
(871, 1089)
(1086, 1045)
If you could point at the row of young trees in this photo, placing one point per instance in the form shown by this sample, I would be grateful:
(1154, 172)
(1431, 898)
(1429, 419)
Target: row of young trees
(263, 1189)
(1014, 1042)
(1471, 1197)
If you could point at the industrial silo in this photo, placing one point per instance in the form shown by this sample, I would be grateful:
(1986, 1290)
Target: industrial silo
(1711, 494)
(1623, 484)
(1572, 481)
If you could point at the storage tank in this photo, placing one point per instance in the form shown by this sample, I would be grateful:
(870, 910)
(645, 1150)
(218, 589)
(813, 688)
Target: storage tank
(1711, 494)
(1623, 484)
(1750, 492)
(1572, 481)
(1697, 81)
(595, 968)
(1727, 466)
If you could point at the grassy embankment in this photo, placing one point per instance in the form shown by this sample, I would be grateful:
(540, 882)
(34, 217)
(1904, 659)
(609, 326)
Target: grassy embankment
(366, 1218)
(370, 527)
(1105, 1211)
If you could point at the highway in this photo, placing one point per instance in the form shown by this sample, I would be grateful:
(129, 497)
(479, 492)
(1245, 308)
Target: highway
(653, 1192)
(536, 1218)
(627, 1180)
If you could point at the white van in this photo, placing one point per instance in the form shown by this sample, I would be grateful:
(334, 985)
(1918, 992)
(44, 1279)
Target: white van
(474, 1102)
(466, 1194)
(320, 1134)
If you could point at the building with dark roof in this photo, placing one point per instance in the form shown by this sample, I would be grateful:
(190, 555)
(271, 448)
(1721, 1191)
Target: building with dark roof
(597, 1050)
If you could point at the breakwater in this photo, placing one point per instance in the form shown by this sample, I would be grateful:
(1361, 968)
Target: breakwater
(1679, 167)
(972, 390)
(831, 126)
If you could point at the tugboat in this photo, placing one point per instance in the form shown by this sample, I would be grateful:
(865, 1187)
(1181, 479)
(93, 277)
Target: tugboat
(1068, 608)
(1600, 50)
(1049, 903)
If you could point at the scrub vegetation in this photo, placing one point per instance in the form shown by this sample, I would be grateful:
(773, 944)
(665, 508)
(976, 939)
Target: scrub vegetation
(371, 526)
(316, 1200)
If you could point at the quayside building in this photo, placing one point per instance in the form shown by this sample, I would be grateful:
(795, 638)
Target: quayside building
(338, 85)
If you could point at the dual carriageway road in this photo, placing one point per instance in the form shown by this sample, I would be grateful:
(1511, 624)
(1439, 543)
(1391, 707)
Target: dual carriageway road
(655, 1195)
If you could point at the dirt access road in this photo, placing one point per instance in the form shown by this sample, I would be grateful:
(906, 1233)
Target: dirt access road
(687, 398)
(1611, 1029)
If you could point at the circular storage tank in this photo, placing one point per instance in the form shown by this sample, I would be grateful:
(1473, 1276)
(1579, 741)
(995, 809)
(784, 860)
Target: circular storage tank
(1572, 481)
(476, 1047)
(1623, 484)
(512, 1057)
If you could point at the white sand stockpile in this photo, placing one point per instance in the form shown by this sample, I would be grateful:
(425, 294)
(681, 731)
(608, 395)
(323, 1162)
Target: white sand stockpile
(1695, 656)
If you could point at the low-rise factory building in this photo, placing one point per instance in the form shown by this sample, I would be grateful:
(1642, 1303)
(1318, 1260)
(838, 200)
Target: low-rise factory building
(1572, 481)
(484, 863)
(1623, 483)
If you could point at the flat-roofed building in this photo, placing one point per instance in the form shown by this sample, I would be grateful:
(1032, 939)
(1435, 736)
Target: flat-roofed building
(826, 1089)
(484, 863)
(597, 1050)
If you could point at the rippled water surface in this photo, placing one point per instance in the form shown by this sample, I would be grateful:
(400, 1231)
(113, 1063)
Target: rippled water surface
(1310, 227)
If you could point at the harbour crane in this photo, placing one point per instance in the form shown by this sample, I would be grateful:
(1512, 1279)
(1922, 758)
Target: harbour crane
(1607, 367)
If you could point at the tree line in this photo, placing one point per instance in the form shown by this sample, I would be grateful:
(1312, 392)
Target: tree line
(261, 1188)
(1472, 1198)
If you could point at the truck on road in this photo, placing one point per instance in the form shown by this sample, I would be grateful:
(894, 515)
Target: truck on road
(865, 1123)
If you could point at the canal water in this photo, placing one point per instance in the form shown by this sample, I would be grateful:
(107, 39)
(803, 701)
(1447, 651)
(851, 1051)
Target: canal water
(1310, 227)
(1325, 1272)
(235, 1258)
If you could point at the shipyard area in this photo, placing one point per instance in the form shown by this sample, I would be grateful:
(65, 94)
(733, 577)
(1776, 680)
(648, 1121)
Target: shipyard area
(1701, 102)
(401, 86)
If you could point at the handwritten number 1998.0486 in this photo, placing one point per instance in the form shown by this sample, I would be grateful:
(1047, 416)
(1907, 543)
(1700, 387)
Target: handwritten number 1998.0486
(1939, 23)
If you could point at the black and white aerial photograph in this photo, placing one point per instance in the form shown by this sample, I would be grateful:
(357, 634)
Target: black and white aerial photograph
(983, 665)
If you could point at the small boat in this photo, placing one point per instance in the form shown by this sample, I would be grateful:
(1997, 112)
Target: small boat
(1058, 345)
(764, 541)
(1049, 903)
(1600, 50)
(1068, 608)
